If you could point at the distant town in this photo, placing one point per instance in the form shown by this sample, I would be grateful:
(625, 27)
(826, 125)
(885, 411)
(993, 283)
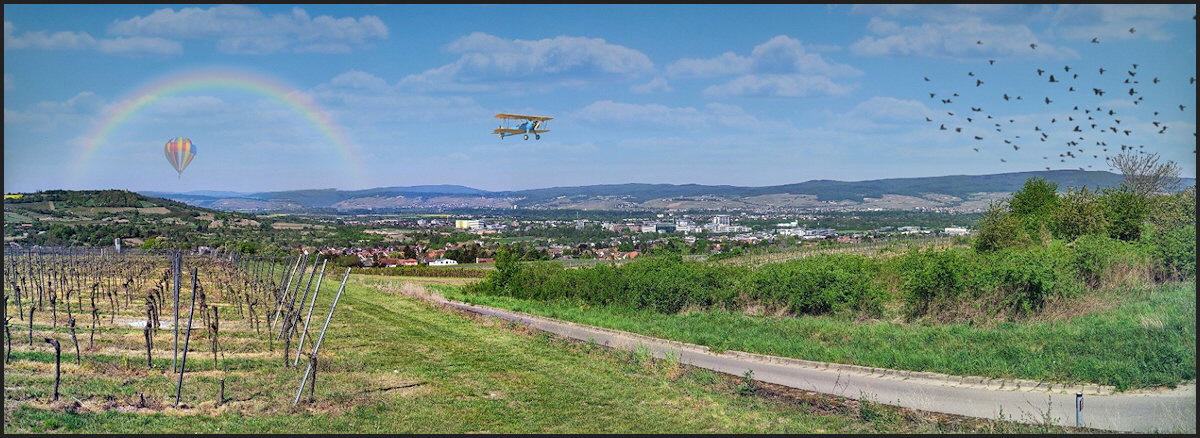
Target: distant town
(629, 238)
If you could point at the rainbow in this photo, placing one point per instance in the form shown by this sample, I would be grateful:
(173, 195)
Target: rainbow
(267, 86)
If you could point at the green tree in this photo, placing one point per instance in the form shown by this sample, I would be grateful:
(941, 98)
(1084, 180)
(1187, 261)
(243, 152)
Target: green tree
(1126, 211)
(508, 267)
(999, 228)
(1034, 204)
(1079, 213)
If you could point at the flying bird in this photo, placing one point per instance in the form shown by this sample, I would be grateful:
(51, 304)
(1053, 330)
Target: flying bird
(1033, 46)
(1096, 40)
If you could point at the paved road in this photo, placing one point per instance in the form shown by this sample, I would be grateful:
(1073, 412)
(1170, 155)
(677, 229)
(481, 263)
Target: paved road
(1027, 401)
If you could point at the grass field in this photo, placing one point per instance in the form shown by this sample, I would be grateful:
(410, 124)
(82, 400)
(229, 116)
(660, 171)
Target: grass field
(393, 364)
(1126, 339)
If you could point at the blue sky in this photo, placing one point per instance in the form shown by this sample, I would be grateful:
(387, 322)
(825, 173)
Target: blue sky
(359, 96)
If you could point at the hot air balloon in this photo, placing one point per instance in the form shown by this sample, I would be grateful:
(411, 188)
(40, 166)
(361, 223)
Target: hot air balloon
(180, 152)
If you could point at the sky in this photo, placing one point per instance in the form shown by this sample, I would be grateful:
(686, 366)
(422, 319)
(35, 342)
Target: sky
(290, 97)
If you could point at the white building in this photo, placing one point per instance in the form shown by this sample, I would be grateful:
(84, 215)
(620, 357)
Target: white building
(957, 231)
(442, 262)
(468, 224)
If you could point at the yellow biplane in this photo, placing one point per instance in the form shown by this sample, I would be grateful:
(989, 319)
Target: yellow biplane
(530, 125)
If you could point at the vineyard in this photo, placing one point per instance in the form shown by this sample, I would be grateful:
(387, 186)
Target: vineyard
(100, 330)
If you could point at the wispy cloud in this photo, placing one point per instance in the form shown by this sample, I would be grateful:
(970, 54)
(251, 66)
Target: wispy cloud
(246, 30)
(488, 62)
(780, 67)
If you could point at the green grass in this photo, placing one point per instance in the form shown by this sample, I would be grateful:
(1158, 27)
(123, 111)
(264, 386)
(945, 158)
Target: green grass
(393, 364)
(1147, 340)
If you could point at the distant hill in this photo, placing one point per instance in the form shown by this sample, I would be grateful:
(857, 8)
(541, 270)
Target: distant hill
(957, 193)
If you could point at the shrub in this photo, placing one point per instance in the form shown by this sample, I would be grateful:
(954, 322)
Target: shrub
(1173, 252)
(999, 228)
(1125, 212)
(1079, 213)
(1028, 278)
(931, 277)
(820, 284)
(1104, 262)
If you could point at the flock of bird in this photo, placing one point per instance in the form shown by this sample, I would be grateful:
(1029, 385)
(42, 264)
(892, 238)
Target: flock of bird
(1085, 115)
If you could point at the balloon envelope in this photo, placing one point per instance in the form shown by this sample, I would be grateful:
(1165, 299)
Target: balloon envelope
(180, 151)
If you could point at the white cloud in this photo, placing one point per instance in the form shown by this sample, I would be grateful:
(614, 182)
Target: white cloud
(140, 45)
(713, 116)
(561, 61)
(359, 79)
(779, 67)
(779, 55)
(246, 30)
(655, 85)
(727, 63)
(790, 85)
(83, 41)
(995, 13)
(1111, 23)
(969, 37)
(42, 40)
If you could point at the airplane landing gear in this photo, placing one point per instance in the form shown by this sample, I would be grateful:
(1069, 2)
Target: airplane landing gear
(527, 136)
(537, 136)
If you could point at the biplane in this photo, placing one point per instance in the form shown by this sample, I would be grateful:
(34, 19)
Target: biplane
(530, 125)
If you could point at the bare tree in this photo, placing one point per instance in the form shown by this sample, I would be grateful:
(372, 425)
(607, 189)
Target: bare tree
(1144, 175)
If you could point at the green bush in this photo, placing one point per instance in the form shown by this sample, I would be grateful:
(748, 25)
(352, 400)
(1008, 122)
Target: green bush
(1000, 228)
(931, 277)
(1173, 252)
(1101, 261)
(667, 284)
(1079, 213)
(819, 284)
(1125, 212)
(1026, 279)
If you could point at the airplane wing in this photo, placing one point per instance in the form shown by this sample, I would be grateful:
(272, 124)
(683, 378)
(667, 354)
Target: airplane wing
(522, 117)
(540, 131)
(509, 131)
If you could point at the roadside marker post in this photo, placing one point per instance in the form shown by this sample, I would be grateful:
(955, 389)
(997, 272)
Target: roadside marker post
(1079, 409)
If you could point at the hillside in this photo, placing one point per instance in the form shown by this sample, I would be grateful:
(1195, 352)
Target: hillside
(97, 217)
(955, 193)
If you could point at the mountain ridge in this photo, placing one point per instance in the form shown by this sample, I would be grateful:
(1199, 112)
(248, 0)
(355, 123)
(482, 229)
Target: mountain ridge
(953, 193)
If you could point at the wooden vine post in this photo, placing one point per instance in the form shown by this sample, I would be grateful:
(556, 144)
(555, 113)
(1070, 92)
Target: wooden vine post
(57, 365)
(74, 340)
